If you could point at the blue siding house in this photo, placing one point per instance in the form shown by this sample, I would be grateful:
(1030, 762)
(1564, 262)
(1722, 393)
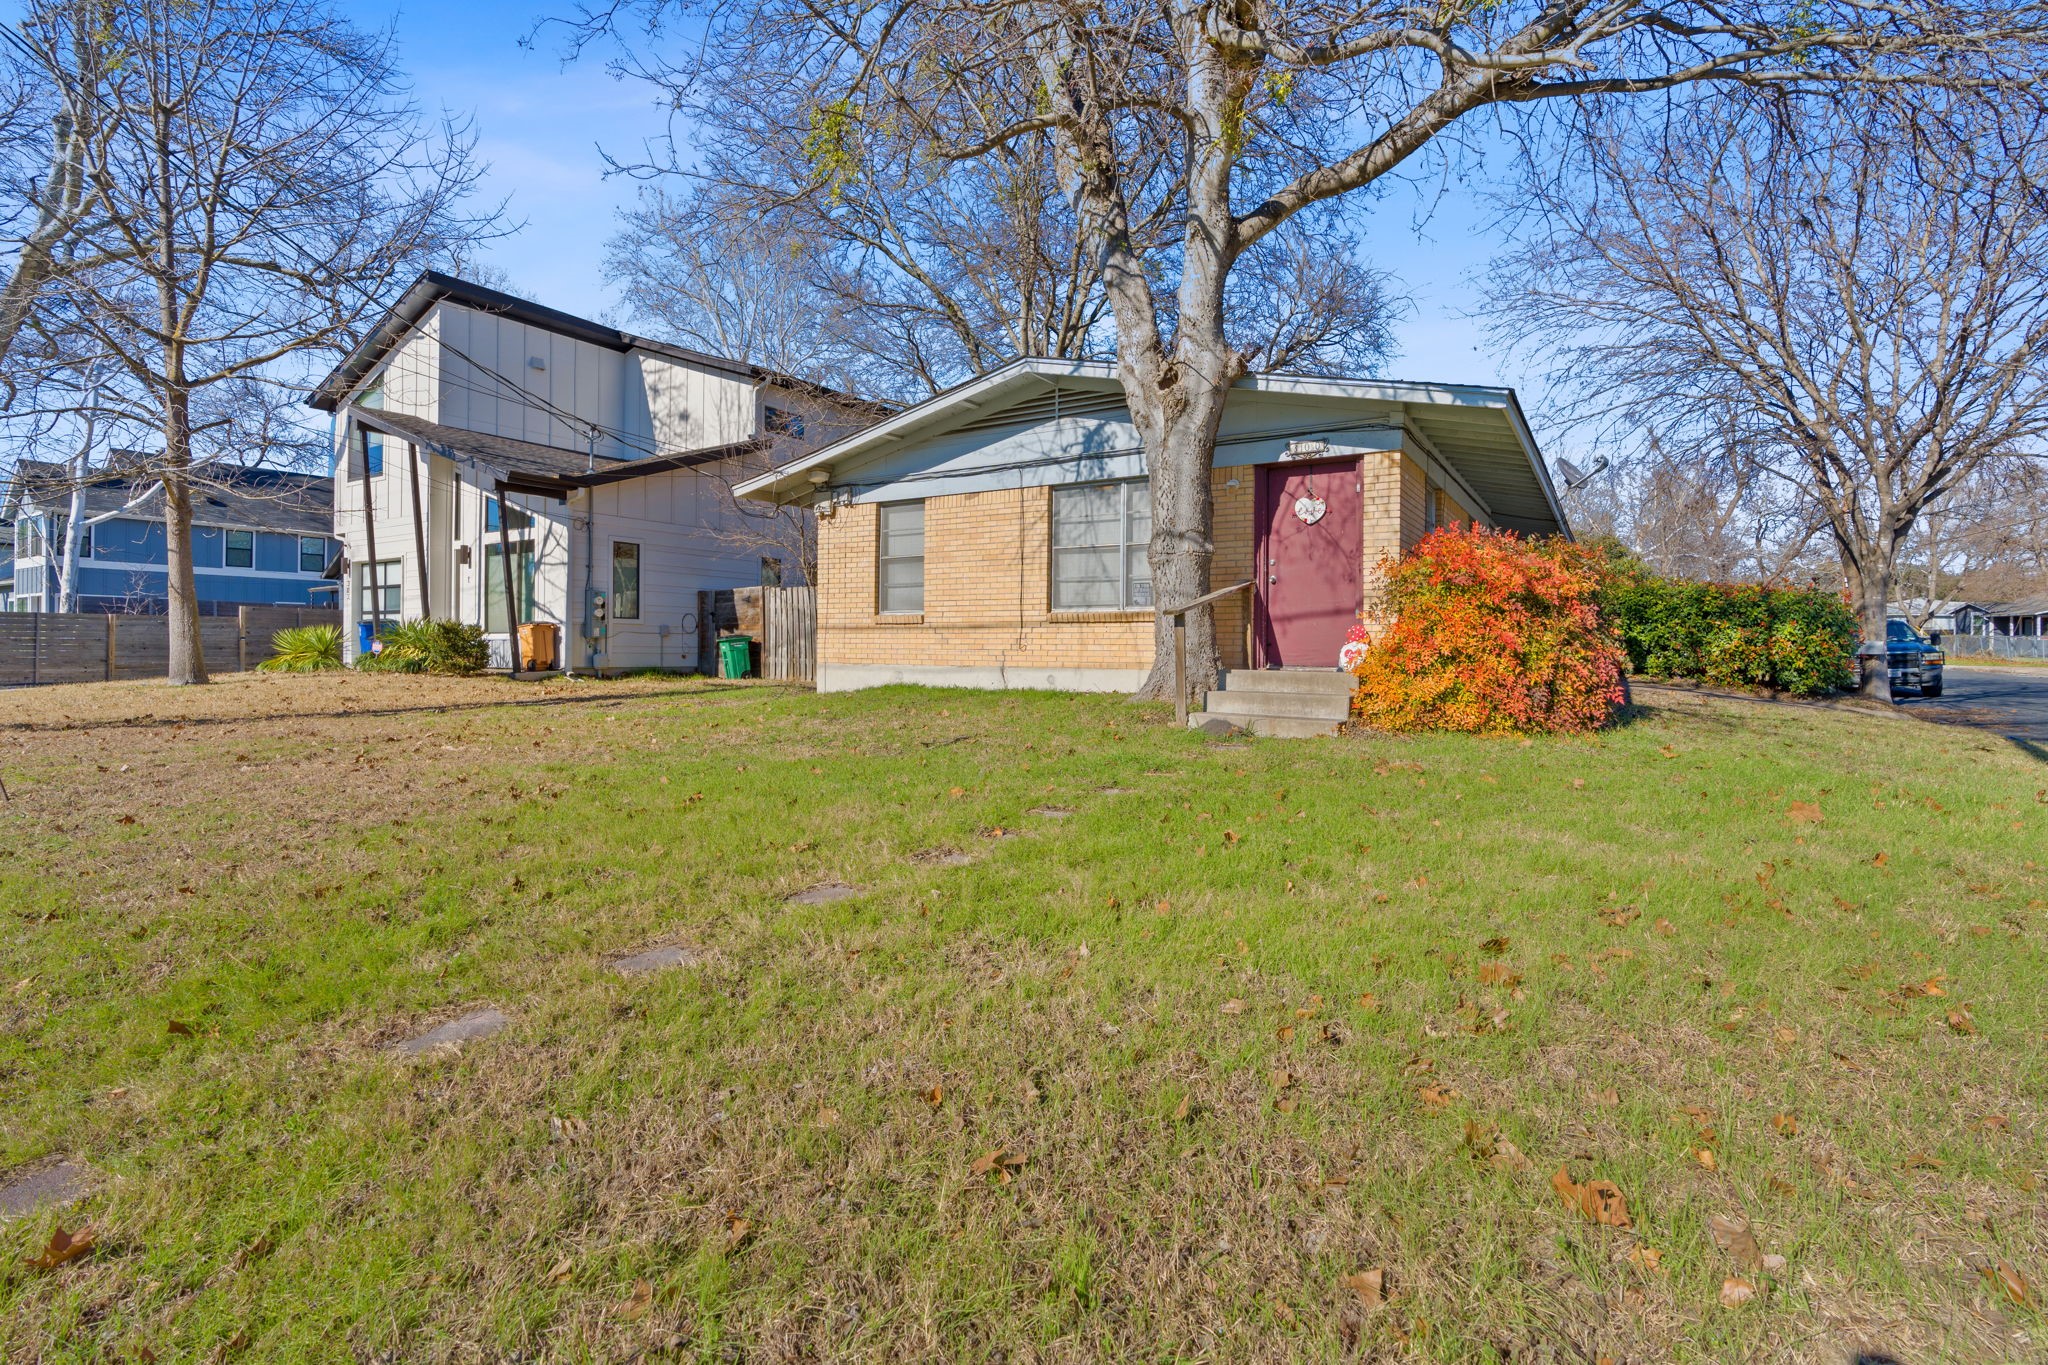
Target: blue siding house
(260, 537)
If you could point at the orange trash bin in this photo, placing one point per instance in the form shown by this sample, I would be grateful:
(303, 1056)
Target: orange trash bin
(537, 645)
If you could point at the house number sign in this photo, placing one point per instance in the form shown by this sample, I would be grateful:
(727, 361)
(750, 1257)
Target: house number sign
(1310, 508)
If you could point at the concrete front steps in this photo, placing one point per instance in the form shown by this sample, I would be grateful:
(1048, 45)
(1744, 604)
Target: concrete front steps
(1280, 703)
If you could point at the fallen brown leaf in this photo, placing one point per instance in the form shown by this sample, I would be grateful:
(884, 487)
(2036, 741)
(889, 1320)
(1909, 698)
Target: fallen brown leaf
(736, 1231)
(561, 1271)
(2009, 1282)
(1233, 1006)
(178, 1028)
(1370, 1286)
(1647, 1258)
(1960, 1021)
(1598, 1200)
(935, 1096)
(1705, 1156)
(1436, 1095)
(1736, 1291)
(1804, 813)
(1786, 1125)
(999, 1163)
(63, 1246)
(636, 1307)
(1733, 1235)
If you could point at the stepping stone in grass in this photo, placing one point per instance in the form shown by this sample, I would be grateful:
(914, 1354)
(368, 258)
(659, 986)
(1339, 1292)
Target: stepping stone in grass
(941, 856)
(52, 1183)
(454, 1033)
(1052, 812)
(824, 893)
(658, 959)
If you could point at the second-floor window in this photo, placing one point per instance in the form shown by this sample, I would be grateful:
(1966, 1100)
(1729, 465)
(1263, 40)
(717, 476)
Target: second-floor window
(782, 422)
(899, 569)
(373, 452)
(241, 550)
(312, 554)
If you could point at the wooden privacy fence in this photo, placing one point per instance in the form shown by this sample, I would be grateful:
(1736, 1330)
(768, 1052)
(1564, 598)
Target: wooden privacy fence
(782, 622)
(39, 647)
(789, 634)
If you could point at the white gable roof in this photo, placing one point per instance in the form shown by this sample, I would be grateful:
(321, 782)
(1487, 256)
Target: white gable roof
(1478, 431)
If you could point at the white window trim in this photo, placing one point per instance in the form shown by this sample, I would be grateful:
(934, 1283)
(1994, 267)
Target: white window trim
(883, 559)
(1122, 547)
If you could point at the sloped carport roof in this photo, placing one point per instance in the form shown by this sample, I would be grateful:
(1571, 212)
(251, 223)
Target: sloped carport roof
(536, 468)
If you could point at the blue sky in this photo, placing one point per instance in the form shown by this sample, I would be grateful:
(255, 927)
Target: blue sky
(542, 125)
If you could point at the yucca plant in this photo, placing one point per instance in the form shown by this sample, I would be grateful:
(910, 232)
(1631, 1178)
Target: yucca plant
(304, 649)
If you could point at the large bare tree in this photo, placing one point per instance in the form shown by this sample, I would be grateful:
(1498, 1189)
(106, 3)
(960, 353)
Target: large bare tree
(1847, 298)
(1238, 119)
(259, 184)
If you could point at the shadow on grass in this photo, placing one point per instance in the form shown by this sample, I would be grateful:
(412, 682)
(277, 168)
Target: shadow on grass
(378, 712)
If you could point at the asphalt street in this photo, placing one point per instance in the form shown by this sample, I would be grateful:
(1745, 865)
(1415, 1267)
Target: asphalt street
(2012, 702)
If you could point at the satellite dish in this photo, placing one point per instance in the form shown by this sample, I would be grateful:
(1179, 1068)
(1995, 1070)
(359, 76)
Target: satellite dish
(1575, 478)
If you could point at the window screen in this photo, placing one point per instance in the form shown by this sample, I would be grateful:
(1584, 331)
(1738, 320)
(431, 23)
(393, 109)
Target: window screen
(241, 550)
(1099, 537)
(900, 572)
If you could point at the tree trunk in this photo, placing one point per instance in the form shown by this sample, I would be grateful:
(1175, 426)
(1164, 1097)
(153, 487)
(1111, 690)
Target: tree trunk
(1870, 593)
(188, 660)
(1183, 545)
(74, 534)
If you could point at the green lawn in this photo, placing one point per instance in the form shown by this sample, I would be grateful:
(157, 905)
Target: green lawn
(1247, 1020)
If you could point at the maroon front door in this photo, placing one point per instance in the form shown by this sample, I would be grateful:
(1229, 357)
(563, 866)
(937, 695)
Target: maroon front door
(1309, 574)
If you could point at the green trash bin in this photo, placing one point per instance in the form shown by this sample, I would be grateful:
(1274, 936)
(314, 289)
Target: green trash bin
(735, 656)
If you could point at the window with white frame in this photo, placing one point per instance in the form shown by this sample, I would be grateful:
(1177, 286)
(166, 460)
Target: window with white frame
(312, 554)
(389, 594)
(1100, 533)
(625, 603)
(899, 568)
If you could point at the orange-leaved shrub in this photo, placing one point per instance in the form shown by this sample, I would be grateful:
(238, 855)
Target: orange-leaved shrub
(1491, 633)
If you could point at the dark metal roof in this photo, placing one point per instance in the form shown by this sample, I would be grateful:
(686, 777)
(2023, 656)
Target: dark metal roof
(242, 498)
(432, 286)
(539, 468)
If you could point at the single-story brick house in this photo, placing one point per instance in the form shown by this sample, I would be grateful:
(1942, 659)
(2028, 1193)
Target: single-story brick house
(995, 535)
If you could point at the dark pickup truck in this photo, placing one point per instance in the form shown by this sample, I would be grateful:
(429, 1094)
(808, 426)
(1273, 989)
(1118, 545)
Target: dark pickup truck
(1912, 661)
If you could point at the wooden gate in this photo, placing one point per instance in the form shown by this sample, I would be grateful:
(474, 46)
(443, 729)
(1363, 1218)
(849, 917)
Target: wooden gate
(789, 630)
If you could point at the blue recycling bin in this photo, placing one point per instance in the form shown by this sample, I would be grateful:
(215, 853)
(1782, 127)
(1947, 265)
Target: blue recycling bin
(366, 631)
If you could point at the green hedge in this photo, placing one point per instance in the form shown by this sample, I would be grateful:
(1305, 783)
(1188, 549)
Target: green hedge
(1797, 640)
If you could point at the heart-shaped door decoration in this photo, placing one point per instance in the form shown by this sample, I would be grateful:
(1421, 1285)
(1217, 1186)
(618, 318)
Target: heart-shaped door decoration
(1310, 508)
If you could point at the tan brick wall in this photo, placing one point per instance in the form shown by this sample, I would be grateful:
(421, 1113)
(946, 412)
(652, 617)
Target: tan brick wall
(987, 593)
(987, 578)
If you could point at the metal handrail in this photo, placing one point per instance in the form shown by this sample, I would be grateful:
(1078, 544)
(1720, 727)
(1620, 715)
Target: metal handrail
(1180, 642)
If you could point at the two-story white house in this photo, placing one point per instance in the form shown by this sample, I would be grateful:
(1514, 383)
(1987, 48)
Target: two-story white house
(474, 429)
